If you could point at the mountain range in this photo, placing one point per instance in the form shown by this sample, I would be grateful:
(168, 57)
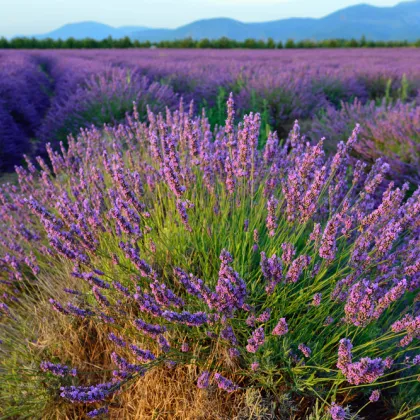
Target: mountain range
(400, 22)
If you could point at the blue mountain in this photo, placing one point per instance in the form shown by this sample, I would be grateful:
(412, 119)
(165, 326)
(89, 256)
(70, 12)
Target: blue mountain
(93, 30)
(400, 22)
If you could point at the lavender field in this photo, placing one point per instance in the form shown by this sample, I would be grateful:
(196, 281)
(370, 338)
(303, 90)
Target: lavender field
(209, 234)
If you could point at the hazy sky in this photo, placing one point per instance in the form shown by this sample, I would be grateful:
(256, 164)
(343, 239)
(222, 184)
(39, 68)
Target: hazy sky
(28, 17)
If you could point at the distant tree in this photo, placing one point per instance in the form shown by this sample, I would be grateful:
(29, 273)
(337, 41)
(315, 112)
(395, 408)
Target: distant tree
(290, 43)
(270, 43)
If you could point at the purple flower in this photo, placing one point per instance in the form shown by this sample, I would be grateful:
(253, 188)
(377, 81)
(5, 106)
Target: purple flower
(289, 252)
(228, 334)
(281, 328)
(57, 307)
(234, 353)
(152, 330)
(181, 206)
(102, 300)
(81, 313)
(374, 397)
(316, 300)
(142, 355)
(97, 412)
(230, 288)
(203, 380)
(271, 216)
(89, 394)
(328, 320)
(224, 383)
(165, 296)
(191, 319)
(265, 316)
(163, 343)
(117, 340)
(328, 246)
(365, 371)
(256, 340)
(337, 412)
(272, 270)
(57, 369)
(296, 268)
(185, 348)
(305, 350)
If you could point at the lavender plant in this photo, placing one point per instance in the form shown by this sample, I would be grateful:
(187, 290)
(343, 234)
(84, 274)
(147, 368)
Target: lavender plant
(389, 131)
(278, 269)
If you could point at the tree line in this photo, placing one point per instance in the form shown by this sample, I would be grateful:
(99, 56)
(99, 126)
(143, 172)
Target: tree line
(221, 43)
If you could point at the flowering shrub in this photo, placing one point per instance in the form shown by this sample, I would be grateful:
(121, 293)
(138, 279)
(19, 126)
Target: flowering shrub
(274, 268)
(100, 97)
(23, 102)
(389, 131)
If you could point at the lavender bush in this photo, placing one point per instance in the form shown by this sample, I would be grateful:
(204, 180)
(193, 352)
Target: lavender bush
(81, 88)
(23, 102)
(276, 268)
(388, 130)
(101, 97)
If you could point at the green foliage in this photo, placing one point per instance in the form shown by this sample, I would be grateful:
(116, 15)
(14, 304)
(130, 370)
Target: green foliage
(221, 43)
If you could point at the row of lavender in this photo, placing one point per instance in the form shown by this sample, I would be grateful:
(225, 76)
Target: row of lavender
(277, 268)
(78, 88)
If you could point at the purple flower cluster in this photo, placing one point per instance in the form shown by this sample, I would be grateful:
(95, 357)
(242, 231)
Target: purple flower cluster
(120, 199)
(224, 383)
(365, 371)
(256, 340)
(89, 394)
(281, 328)
(337, 412)
(57, 369)
(203, 380)
(272, 270)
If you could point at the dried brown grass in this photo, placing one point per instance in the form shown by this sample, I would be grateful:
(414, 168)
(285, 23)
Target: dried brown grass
(163, 393)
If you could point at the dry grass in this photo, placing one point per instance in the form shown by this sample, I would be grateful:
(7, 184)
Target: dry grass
(163, 393)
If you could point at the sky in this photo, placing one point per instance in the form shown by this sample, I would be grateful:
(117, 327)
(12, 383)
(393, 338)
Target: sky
(32, 17)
